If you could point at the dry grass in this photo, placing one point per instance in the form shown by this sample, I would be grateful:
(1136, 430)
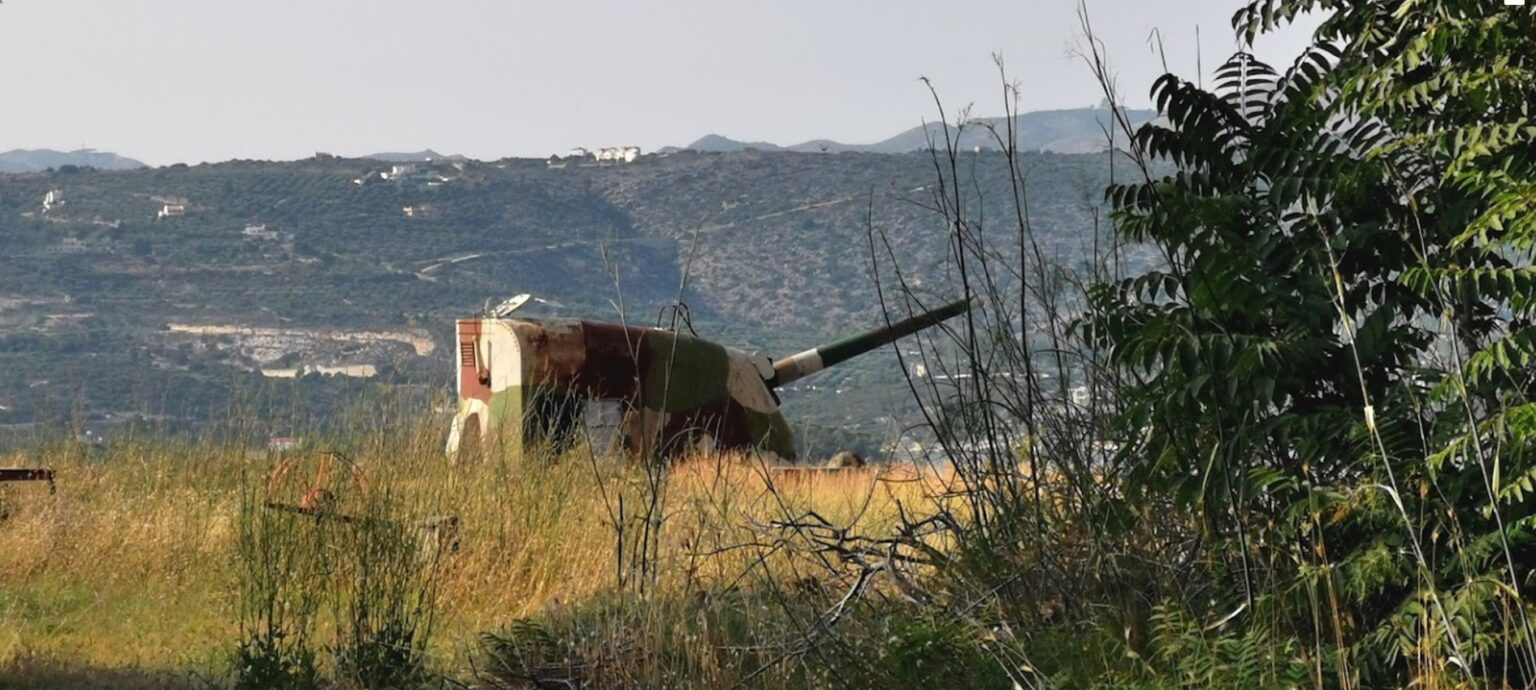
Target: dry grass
(128, 569)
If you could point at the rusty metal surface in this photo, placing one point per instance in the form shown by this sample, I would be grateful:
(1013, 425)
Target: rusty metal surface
(321, 514)
(19, 474)
(439, 533)
(524, 382)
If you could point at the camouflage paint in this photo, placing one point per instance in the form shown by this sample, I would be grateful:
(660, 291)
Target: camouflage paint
(519, 377)
(677, 390)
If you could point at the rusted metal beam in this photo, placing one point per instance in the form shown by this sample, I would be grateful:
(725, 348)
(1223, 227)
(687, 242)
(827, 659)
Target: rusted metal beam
(27, 474)
(444, 528)
(320, 513)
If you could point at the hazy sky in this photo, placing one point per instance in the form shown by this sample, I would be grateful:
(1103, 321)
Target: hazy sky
(199, 80)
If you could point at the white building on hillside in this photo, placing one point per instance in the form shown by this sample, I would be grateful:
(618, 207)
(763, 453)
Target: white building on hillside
(260, 231)
(53, 199)
(399, 171)
(625, 154)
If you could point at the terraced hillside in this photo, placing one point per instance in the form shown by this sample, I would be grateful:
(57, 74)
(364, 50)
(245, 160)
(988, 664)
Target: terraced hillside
(165, 293)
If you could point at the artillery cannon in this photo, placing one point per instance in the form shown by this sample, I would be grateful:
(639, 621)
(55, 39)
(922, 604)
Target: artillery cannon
(524, 382)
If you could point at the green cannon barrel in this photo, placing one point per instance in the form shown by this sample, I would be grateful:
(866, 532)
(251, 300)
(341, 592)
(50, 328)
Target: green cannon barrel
(799, 366)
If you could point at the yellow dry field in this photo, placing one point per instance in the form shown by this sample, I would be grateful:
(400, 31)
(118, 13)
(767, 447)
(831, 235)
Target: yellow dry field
(130, 567)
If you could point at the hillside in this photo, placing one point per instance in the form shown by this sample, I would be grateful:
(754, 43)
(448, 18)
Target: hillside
(424, 156)
(1078, 130)
(108, 312)
(37, 160)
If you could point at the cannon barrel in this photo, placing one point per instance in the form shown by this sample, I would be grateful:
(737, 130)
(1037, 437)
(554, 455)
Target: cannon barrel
(799, 366)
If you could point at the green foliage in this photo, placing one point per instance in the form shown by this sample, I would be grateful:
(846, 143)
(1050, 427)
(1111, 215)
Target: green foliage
(385, 606)
(358, 552)
(1187, 655)
(941, 653)
(525, 654)
(276, 572)
(267, 663)
(1333, 367)
(732, 638)
(746, 637)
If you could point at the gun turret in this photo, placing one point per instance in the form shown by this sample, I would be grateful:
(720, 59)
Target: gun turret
(524, 382)
(799, 366)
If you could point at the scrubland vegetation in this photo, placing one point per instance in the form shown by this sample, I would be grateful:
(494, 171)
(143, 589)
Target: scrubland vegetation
(1296, 453)
(153, 557)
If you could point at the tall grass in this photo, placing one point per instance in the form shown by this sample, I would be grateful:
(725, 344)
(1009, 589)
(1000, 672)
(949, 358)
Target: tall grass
(1030, 556)
(160, 555)
(277, 571)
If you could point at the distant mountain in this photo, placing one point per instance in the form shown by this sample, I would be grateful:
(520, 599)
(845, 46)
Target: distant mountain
(417, 157)
(715, 143)
(1079, 130)
(38, 160)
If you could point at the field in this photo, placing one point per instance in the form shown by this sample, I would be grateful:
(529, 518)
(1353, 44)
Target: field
(1300, 451)
(129, 576)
